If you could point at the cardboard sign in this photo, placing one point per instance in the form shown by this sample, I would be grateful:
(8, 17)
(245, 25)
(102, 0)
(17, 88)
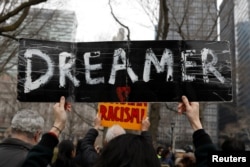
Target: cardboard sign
(127, 115)
(139, 71)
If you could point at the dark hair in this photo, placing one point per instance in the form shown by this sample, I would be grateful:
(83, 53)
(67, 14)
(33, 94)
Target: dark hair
(128, 150)
(233, 144)
(159, 149)
(64, 156)
(186, 161)
(188, 148)
(164, 153)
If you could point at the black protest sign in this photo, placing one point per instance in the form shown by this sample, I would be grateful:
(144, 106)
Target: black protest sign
(135, 71)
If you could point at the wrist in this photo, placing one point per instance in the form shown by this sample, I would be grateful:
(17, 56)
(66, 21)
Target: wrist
(55, 132)
(58, 129)
(59, 125)
(97, 127)
(144, 129)
(197, 126)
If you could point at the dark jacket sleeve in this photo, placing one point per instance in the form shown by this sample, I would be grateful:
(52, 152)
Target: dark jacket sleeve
(147, 136)
(41, 154)
(203, 146)
(87, 154)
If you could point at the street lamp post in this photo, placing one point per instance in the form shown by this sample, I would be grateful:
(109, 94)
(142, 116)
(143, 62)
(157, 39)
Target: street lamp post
(172, 134)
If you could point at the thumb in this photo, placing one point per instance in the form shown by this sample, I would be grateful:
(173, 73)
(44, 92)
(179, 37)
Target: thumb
(185, 101)
(62, 102)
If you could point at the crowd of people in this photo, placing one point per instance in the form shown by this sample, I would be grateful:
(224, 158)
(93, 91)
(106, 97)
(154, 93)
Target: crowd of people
(28, 147)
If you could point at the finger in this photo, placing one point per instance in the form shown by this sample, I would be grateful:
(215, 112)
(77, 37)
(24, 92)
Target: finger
(56, 105)
(180, 107)
(185, 100)
(62, 102)
(98, 116)
(67, 106)
(144, 119)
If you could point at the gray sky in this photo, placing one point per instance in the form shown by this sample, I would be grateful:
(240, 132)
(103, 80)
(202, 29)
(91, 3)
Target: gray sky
(96, 23)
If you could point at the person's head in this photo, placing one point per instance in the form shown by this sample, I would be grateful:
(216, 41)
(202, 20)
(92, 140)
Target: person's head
(189, 148)
(168, 146)
(165, 153)
(113, 132)
(188, 160)
(66, 150)
(27, 125)
(233, 144)
(159, 150)
(128, 150)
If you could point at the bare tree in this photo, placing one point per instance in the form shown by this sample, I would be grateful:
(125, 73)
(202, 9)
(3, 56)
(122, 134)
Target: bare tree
(10, 9)
(17, 20)
(163, 24)
(12, 14)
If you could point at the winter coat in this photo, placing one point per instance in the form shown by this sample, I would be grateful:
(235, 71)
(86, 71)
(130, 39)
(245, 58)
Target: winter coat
(13, 152)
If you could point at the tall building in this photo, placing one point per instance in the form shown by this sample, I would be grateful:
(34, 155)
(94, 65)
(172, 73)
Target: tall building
(189, 20)
(235, 23)
(44, 24)
(242, 43)
(195, 19)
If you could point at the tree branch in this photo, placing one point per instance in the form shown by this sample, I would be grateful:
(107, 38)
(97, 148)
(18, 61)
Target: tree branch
(118, 21)
(20, 8)
(8, 36)
(148, 11)
(17, 23)
(2, 68)
(170, 108)
(163, 25)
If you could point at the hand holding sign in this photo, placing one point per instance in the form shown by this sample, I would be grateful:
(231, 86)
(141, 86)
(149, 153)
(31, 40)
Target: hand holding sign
(97, 122)
(60, 116)
(145, 124)
(192, 112)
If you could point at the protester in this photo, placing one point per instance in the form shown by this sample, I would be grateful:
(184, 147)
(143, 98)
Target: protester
(114, 131)
(172, 154)
(201, 140)
(159, 150)
(41, 154)
(128, 150)
(166, 157)
(86, 146)
(187, 160)
(144, 130)
(66, 154)
(26, 128)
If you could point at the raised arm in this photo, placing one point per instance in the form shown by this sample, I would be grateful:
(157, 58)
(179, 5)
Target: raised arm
(202, 141)
(191, 109)
(41, 154)
(87, 154)
(145, 124)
